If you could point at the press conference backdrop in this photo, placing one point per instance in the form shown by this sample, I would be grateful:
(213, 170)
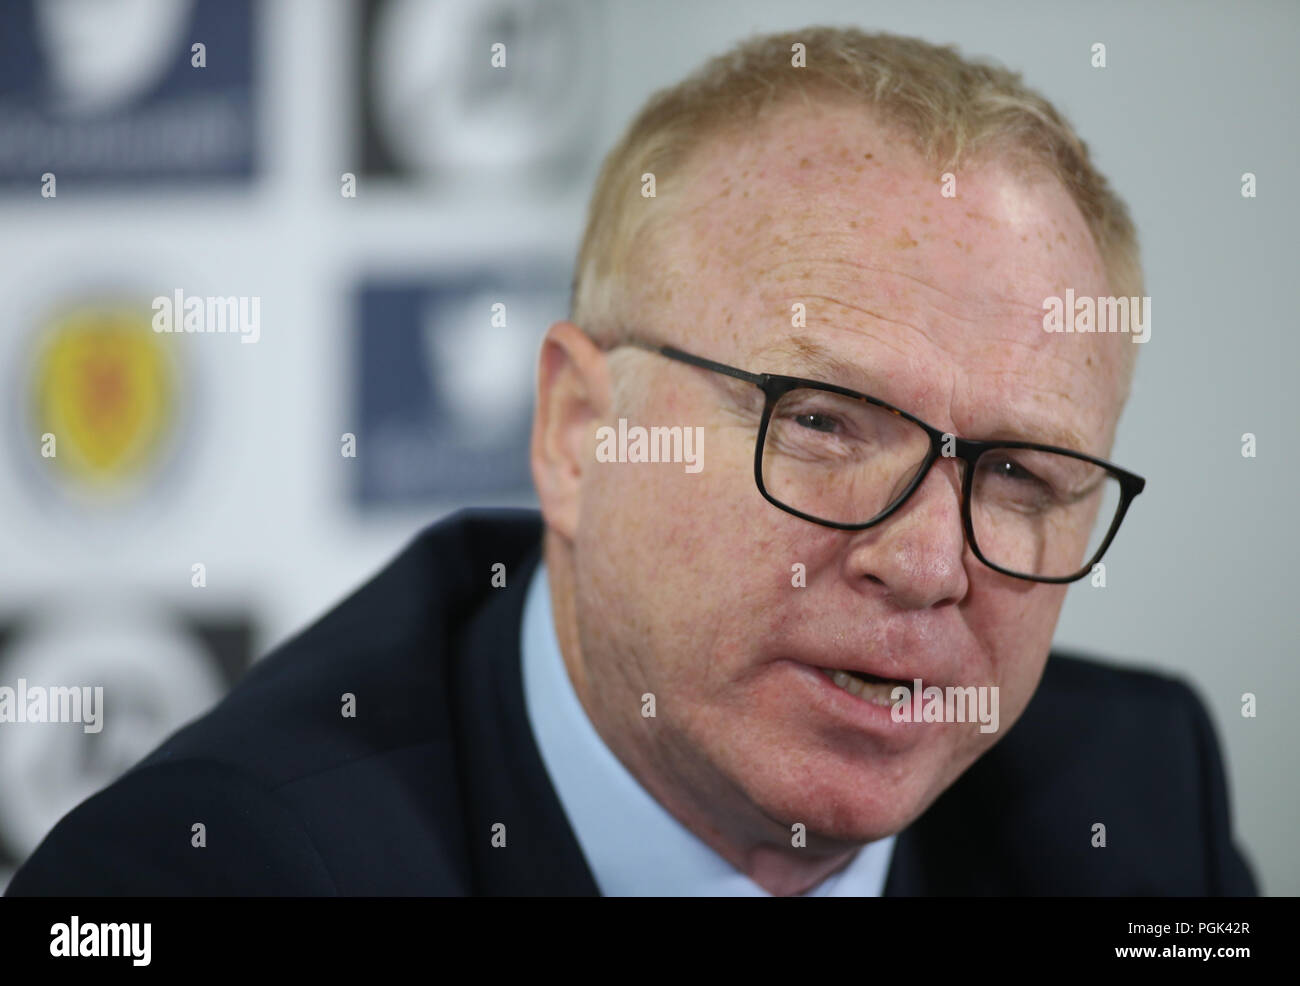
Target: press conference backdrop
(400, 217)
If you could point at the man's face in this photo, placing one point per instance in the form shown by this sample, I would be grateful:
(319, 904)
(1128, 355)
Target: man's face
(685, 580)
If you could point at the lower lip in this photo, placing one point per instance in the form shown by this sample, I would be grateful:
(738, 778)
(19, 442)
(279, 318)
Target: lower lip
(860, 713)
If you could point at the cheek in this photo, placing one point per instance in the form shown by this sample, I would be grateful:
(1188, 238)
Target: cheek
(691, 516)
(690, 566)
(1015, 627)
(656, 547)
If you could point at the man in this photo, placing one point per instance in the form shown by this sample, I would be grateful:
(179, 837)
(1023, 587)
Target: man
(808, 308)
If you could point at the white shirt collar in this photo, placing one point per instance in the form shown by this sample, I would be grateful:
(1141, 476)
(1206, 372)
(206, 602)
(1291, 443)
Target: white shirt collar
(633, 846)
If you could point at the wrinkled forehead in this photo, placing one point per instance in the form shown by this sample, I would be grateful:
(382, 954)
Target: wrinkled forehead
(828, 185)
(889, 257)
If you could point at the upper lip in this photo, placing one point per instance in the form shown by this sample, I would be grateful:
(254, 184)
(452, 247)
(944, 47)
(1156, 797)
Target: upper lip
(888, 670)
(890, 649)
(864, 675)
(864, 671)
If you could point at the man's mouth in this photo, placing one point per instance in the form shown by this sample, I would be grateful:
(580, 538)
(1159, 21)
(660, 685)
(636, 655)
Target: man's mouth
(868, 687)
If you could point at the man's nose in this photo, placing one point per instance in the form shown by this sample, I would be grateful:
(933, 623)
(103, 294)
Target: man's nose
(918, 554)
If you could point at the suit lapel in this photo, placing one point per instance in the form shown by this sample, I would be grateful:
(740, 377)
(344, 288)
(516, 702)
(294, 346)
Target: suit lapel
(502, 774)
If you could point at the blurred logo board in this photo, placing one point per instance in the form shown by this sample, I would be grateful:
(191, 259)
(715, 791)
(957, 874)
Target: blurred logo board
(157, 668)
(446, 381)
(494, 90)
(109, 92)
(103, 401)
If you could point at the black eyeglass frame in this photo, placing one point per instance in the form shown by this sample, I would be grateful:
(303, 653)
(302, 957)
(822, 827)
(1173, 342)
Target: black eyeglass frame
(969, 450)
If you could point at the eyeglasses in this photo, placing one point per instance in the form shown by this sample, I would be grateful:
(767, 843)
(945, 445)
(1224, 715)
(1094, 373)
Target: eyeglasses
(846, 460)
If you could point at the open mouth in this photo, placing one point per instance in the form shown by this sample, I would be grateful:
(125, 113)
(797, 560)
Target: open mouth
(868, 687)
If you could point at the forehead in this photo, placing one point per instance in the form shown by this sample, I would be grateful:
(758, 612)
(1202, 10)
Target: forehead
(942, 296)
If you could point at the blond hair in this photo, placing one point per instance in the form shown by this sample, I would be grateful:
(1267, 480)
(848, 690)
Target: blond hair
(952, 108)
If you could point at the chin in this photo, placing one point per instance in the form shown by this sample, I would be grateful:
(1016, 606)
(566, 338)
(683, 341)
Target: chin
(849, 805)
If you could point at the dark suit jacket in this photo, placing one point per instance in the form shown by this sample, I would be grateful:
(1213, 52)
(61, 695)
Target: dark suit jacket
(401, 799)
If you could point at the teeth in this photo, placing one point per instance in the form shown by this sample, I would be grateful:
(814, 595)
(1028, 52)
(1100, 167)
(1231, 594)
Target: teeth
(868, 692)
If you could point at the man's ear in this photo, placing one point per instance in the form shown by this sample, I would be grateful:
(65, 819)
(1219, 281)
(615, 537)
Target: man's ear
(573, 391)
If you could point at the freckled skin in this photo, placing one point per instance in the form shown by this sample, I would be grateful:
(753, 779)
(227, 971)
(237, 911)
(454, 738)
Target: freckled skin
(680, 584)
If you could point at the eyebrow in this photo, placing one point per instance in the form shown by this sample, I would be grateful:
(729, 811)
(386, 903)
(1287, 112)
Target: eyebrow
(815, 361)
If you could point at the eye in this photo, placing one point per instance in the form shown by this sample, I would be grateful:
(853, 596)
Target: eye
(815, 421)
(1007, 469)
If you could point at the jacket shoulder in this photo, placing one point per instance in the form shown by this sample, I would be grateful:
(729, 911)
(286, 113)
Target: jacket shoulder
(1110, 783)
(194, 828)
(384, 655)
(330, 767)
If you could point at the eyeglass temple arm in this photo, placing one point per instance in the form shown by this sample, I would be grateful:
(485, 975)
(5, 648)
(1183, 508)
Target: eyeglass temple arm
(707, 364)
